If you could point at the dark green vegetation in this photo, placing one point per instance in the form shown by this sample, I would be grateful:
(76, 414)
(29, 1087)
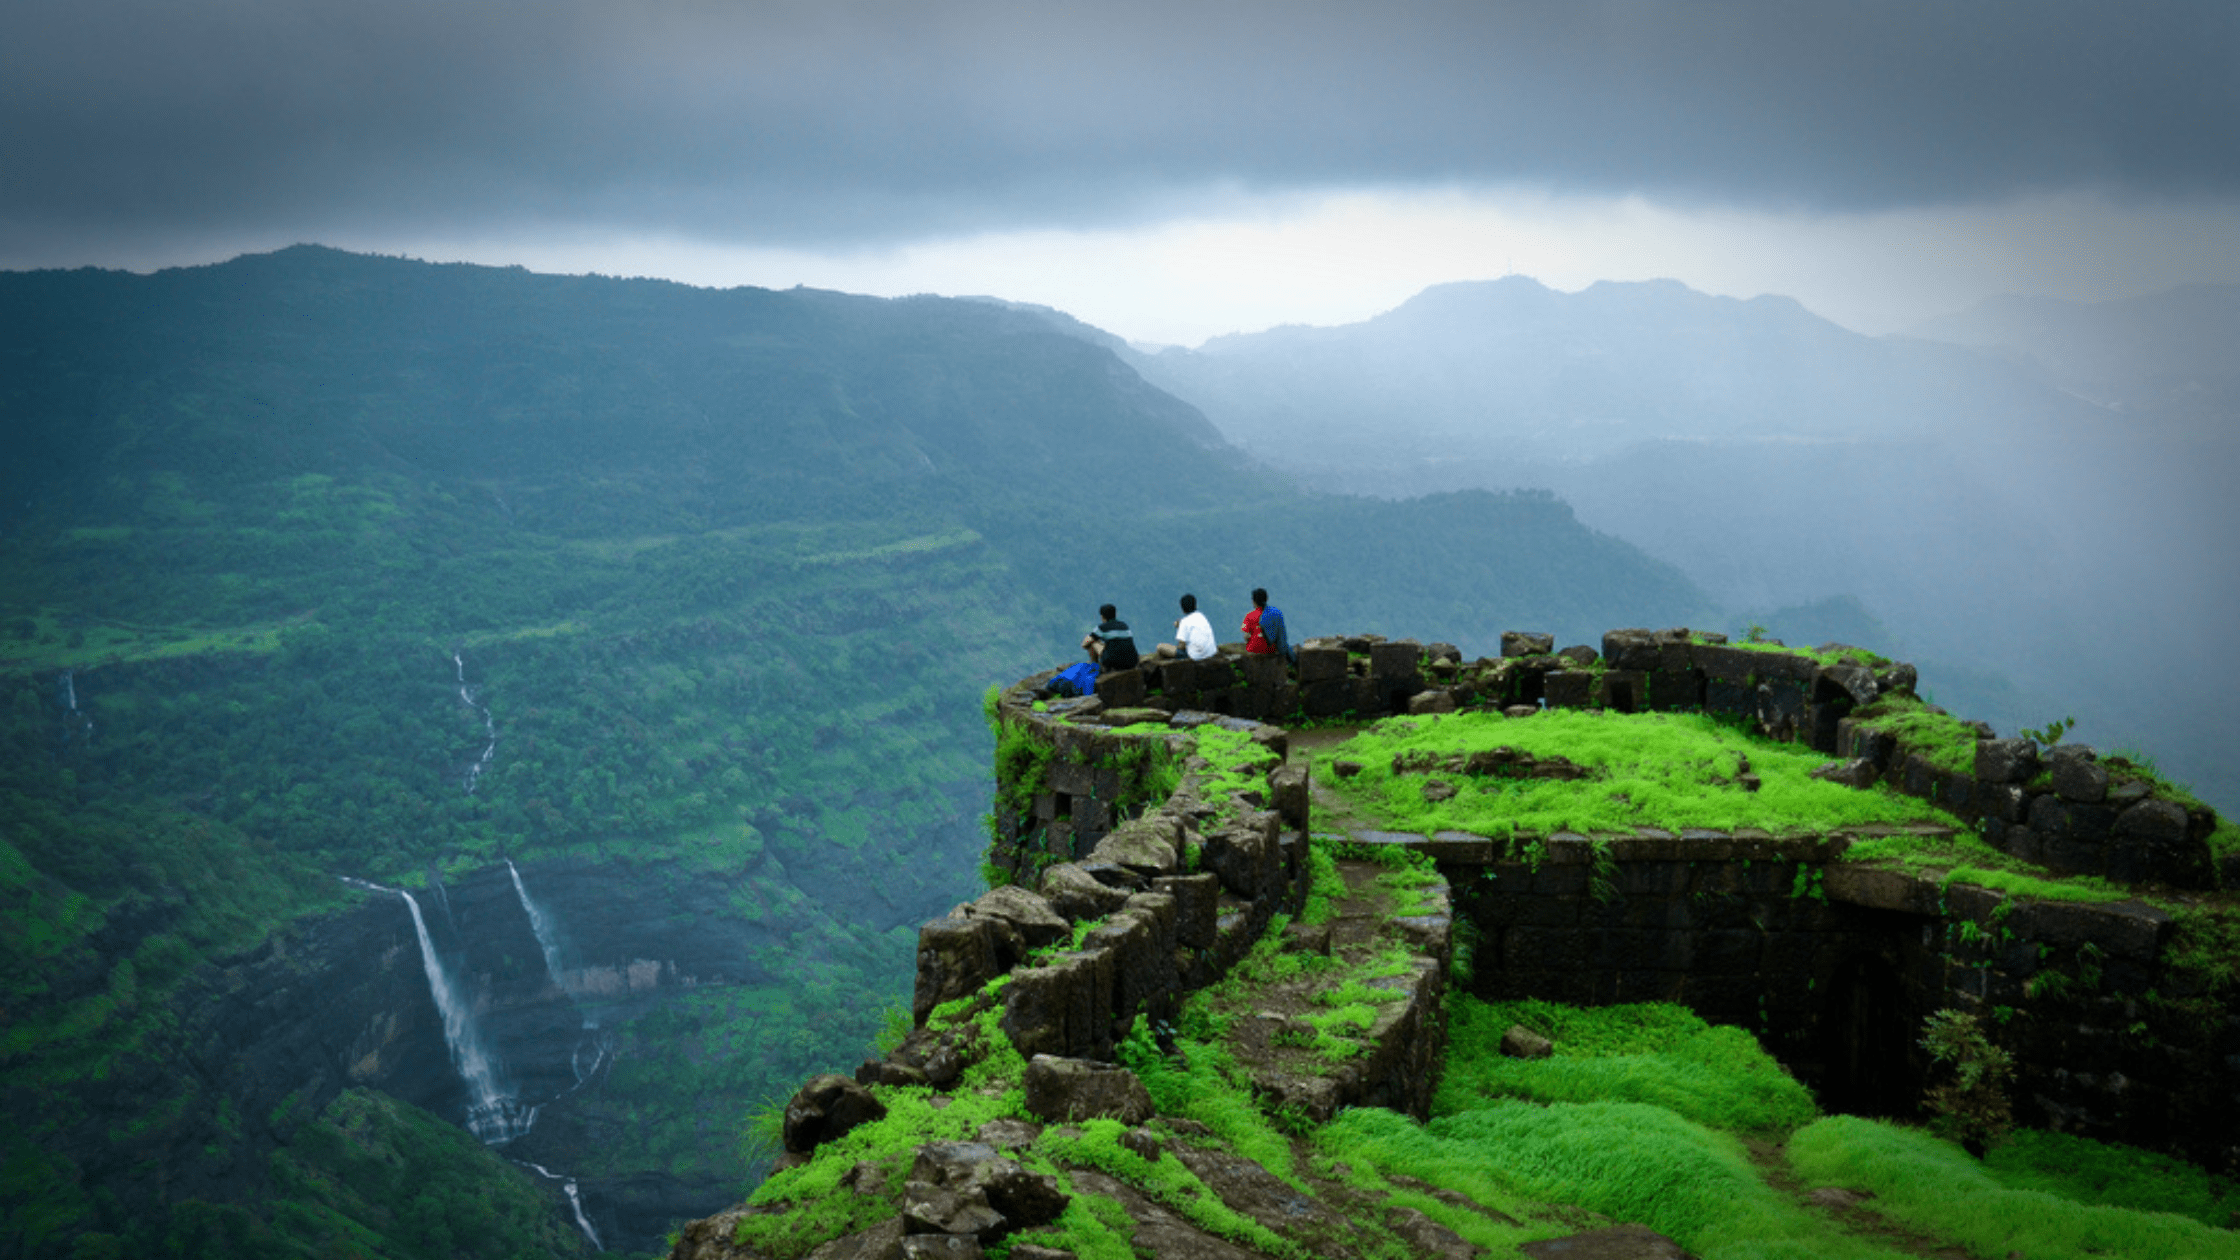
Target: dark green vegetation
(726, 570)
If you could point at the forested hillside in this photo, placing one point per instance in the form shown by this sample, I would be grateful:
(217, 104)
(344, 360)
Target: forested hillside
(650, 618)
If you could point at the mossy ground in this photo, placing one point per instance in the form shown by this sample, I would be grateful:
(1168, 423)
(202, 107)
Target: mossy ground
(1658, 770)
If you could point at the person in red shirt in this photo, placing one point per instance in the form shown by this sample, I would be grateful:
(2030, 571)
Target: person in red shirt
(1254, 641)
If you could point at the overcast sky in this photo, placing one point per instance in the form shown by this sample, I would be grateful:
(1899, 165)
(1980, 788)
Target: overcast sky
(1168, 171)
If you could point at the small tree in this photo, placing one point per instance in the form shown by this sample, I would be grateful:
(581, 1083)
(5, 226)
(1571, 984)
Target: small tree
(1971, 1105)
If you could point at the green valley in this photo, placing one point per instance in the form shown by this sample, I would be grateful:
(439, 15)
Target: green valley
(635, 631)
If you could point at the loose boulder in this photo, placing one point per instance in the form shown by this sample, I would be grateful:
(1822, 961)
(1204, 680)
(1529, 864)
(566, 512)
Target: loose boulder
(1521, 1042)
(825, 1108)
(1066, 1090)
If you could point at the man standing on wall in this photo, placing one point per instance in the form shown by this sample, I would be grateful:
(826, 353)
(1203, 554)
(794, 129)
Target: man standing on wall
(1111, 645)
(1194, 632)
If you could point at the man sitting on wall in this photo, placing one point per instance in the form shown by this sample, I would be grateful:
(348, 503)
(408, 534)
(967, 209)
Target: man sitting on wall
(1194, 634)
(1111, 645)
(1264, 633)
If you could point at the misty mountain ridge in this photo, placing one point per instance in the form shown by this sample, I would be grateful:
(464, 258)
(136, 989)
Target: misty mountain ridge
(1995, 514)
(2166, 356)
(1557, 376)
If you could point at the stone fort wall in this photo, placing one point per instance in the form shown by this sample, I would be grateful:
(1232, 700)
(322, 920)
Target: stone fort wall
(2122, 1027)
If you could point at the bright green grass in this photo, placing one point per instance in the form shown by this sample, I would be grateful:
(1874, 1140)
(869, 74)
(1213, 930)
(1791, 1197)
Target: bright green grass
(1204, 1084)
(1933, 1185)
(1631, 1161)
(2110, 1174)
(1964, 858)
(1648, 1053)
(1096, 1144)
(1238, 763)
(1667, 770)
(1844, 656)
(1947, 742)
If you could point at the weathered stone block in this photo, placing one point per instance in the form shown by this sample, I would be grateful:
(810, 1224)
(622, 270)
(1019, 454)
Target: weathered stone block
(1676, 655)
(1624, 691)
(1031, 914)
(1121, 688)
(1197, 900)
(1289, 785)
(2002, 801)
(1879, 889)
(2006, 760)
(1078, 895)
(1726, 664)
(1630, 649)
(1857, 772)
(1061, 1007)
(1847, 681)
(1397, 664)
(2131, 929)
(1071, 1090)
(1856, 740)
(1674, 689)
(1437, 700)
(1327, 698)
(1516, 643)
(1569, 689)
(1321, 664)
(1142, 965)
(1781, 706)
(1244, 855)
(1734, 698)
(1070, 777)
(2077, 773)
(824, 1109)
(959, 954)
(1521, 1042)
(2154, 822)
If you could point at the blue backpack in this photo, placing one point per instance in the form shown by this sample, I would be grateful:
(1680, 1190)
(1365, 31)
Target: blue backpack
(1272, 629)
(1075, 680)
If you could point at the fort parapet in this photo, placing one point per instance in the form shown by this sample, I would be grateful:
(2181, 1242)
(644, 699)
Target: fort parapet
(2118, 1015)
(1145, 839)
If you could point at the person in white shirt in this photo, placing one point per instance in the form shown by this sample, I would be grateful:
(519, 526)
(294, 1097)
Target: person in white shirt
(1194, 631)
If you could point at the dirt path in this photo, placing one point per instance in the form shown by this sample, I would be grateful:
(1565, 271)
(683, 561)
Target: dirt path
(1847, 1211)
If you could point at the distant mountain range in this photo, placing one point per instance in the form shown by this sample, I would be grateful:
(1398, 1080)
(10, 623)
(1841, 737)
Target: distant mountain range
(2169, 356)
(2029, 492)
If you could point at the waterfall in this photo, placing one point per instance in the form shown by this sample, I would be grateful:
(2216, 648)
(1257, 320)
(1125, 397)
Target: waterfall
(489, 725)
(548, 937)
(70, 689)
(493, 1115)
(575, 1200)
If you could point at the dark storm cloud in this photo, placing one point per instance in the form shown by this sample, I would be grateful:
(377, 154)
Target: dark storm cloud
(825, 123)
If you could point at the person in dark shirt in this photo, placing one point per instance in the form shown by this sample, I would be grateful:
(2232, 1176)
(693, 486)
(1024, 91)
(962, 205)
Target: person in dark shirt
(1111, 645)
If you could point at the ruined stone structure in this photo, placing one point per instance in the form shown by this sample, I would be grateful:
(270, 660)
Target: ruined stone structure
(2122, 1030)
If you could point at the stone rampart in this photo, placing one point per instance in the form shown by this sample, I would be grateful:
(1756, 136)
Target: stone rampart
(2118, 1033)
(2061, 806)
(1130, 871)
